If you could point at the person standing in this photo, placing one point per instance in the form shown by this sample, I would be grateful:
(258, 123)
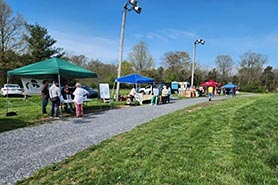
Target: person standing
(79, 94)
(169, 92)
(234, 91)
(164, 94)
(45, 96)
(132, 94)
(54, 94)
(210, 91)
(155, 96)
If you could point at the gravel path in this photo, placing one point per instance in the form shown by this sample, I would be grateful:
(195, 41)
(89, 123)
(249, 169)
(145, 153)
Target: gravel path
(24, 151)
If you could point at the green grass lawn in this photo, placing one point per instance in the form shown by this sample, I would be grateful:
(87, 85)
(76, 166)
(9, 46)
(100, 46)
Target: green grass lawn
(226, 142)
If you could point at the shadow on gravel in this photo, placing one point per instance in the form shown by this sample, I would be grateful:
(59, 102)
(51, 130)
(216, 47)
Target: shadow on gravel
(12, 124)
(81, 121)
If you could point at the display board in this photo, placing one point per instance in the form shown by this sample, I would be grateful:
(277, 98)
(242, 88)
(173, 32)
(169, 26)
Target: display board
(104, 91)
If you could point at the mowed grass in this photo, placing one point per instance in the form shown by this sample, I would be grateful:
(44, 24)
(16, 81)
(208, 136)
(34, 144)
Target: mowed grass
(227, 142)
(28, 112)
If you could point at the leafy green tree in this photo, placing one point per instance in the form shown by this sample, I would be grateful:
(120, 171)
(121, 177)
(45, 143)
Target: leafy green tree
(140, 57)
(235, 79)
(40, 44)
(275, 80)
(254, 86)
(169, 76)
(200, 75)
(251, 67)
(126, 68)
(106, 72)
(160, 73)
(177, 66)
(11, 39)
(267, 78)
(213, 74)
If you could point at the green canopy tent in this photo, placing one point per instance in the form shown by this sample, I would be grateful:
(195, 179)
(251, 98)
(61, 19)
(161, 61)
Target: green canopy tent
(50, 67)
(53, 67)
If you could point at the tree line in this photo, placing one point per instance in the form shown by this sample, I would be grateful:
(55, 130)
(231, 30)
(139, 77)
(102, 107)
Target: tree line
(22, 44)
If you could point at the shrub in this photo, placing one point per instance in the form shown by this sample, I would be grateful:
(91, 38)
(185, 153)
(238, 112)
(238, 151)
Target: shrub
(253, 87)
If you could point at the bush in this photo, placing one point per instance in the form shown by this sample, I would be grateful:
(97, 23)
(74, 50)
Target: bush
(253, 87)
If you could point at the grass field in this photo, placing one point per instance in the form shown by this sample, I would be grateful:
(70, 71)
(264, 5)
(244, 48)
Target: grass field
(226, 142)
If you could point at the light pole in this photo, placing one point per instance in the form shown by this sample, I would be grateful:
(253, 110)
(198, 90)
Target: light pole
(198, 41)
(134, 6)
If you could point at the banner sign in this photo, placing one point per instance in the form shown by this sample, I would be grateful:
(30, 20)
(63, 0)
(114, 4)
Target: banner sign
(32, 86)
(104, 91)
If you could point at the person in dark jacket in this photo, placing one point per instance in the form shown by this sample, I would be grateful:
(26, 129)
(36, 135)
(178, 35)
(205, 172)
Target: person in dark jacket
(45, 96)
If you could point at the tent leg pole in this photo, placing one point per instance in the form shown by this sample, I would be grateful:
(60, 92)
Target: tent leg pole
(113, 90)
(59, 81)
(7, 97)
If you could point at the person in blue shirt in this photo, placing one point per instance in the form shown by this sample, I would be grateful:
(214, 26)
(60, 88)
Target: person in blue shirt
(169, 92)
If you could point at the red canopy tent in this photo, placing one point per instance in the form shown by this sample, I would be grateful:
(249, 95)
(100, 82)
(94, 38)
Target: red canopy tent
(210, 83)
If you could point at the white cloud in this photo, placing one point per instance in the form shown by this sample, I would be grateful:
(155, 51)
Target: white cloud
(177, 34)
(156, 36)
(169, 34)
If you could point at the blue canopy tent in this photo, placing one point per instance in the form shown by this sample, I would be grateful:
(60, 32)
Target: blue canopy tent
(134, 79)
(229, 86)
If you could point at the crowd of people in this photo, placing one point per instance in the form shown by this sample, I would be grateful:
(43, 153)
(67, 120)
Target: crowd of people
(72, 101)
(64, 97)
(162, 95)
(211, 91)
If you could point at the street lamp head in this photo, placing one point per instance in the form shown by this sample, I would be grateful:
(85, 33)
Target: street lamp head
(137, 9)
(133, 2)
(135, 6)
(200, 41)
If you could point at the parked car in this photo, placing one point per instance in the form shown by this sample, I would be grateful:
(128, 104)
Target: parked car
(11, 89)
(146, 90)
(92, 92)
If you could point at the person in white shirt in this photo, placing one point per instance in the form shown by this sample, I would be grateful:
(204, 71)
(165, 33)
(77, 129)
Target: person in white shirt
(54, 94)
(132, 94)
(155, 96)
(79, 94)
(164, 94)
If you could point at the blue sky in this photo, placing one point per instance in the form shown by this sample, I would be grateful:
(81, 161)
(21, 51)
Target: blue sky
(92, 27)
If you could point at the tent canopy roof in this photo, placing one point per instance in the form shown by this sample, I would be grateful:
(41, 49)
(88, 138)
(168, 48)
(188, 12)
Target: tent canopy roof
(50, 67)
(229, 85)
(134, 79)
(209, 83)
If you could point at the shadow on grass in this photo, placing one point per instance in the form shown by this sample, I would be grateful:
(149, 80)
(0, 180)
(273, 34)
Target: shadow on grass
(7, 124)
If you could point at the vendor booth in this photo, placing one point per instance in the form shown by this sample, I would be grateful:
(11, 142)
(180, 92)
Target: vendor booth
(136, 79)
(53, 68)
